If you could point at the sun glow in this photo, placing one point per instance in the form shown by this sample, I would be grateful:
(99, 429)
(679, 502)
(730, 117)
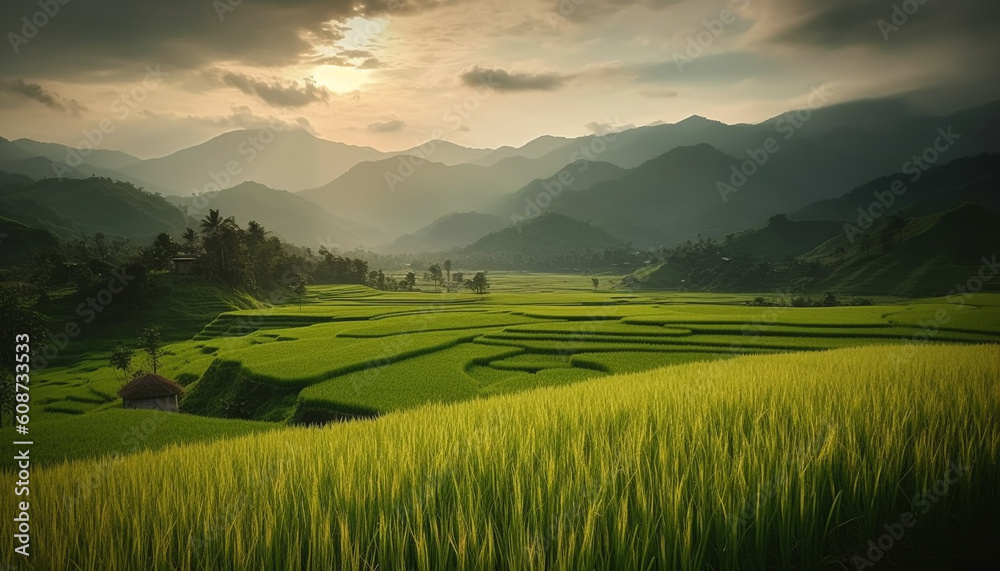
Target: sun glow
(340, 79)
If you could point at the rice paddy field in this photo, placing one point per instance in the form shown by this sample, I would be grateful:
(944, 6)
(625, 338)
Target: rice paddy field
(542, 426)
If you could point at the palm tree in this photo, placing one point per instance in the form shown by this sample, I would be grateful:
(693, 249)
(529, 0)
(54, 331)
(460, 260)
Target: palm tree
(256, 232)
(447, 270)
(190, 238)
(212, 226)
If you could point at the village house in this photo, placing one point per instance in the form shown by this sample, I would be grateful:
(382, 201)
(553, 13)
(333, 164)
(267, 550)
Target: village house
(151, 391)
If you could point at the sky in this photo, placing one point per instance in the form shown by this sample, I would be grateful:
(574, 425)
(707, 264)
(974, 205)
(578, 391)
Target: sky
(154, 76)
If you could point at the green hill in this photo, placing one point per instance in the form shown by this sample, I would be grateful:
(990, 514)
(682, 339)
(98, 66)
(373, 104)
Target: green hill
(450, 231)
(19, 243)
(288, 215)
(972, 179)
(934, 255)
(69, 207)
(539, 193)
(783, 238)
(550, 232)
(926, 256)
(676, 196)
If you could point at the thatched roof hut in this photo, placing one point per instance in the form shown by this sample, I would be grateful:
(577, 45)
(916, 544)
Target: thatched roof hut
(151, 391)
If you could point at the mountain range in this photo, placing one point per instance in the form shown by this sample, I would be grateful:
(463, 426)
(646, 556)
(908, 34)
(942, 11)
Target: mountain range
(651, 186)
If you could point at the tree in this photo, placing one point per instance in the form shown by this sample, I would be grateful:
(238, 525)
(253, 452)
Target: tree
(121, 362)
(459, 277)
(256, 232)
(149, 341)
(157, 256)
(190, 238)
(410, 280)
(435, 274)
(447, 270)
(596, 282)
(215, 227)
(478, 284)
(299, 288)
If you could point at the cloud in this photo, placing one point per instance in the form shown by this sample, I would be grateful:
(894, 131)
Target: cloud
(393, 125)
(113, 38)
(856, 22)
(588, 10)
(607, 127)
(658, 93)
(39, 94)
(502, 80)
(240, 117)
(277, 93)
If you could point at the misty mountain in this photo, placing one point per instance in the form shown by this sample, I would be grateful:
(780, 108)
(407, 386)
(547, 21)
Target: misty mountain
(450, 231)
(676, 196)
(820, 151)
(446, 152)
(101, 158)
(287, 215)
(539, 194)
(70, 207)
(973, 180)
(400, 195)
(534, 149)
(291, 159)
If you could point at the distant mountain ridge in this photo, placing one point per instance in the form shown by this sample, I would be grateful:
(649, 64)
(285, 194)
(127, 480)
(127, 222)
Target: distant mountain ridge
(287, 215)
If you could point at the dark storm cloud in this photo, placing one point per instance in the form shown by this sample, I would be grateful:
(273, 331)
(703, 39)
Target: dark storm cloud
(502, 80)
(111, 38)
(851, 22)
(39, 94)
(277, 93)
(726, 67)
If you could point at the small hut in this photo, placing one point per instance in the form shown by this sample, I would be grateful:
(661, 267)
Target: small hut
(151, 391)
(183, 265)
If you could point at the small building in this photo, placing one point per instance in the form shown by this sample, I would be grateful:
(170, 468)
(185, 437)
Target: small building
(151, 392)
(183, 266)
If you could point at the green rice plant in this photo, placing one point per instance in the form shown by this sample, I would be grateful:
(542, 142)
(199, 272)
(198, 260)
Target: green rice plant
(634, 361)
(435, 377)
(788, 461)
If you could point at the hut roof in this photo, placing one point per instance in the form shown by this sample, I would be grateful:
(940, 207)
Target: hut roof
(150, 386)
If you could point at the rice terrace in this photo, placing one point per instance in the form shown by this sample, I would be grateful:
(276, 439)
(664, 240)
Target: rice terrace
(693, 430)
